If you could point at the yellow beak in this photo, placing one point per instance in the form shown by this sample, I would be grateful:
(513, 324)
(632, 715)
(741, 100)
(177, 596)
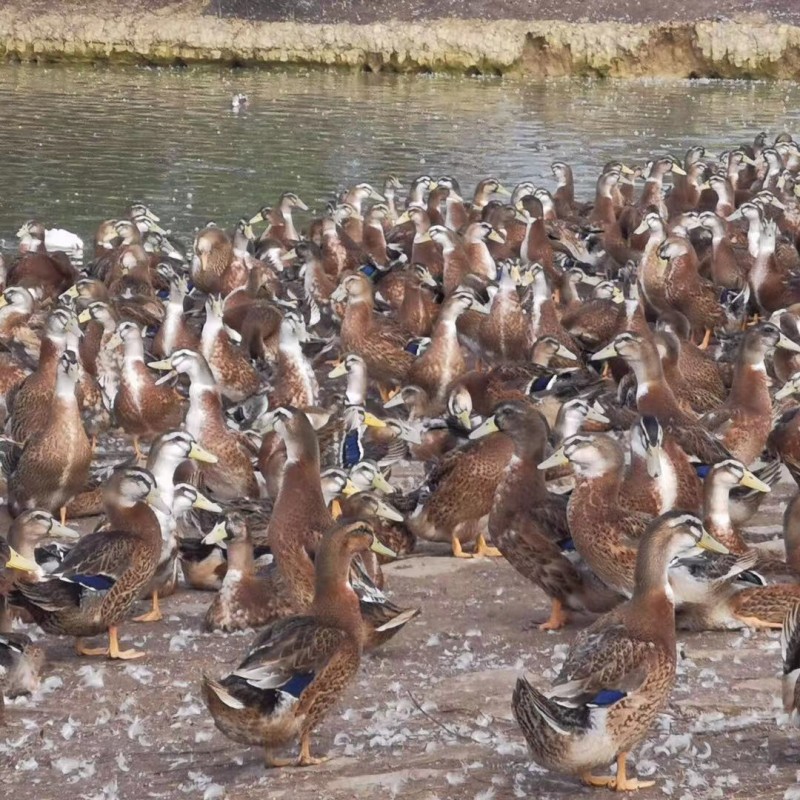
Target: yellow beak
(496, 236)
(257, 218)
(678, 170)
(217, 535)
(485, 428)
(751, 481)
(403, 218)
(339, 370)
(84, 316)
(371, 421)
(204, 504)
(336, 509)
(200, 454)
(380, 484)
(708, 542)
(163, 365)
(610, 351)
(16, 561)
(558, 459)
(349, 488)
(381, 549)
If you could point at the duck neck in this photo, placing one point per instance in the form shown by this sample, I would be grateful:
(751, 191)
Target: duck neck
(240, 556)
(716, 516)
(335, 602)
(652, 595)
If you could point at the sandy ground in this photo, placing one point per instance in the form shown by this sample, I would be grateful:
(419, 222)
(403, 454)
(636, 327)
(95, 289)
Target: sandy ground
(428, 717)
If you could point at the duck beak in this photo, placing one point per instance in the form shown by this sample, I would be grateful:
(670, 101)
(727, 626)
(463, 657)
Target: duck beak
(163, 365)
(202, 503)
(708, 542)
(565, 352)
(785, 343)
(736, 215)
(403, 218)
(22, 232)
(787, 390)
(349, 488)
(654, 460)
(57, 529)
(610, 351)
(371, 421)
(16, 561)
(336, 508)
(678, 170)
(339, 294)
(114, 342)
(641, 228)
(480, 308)
(558, 459)
(387, 512)
(377, 196)
(380, 484)
(485, 428)
(255, 219)
(395, 400)
(502, 191)
(291, 255)
(201, 454)
(464, 419)
(84, 316)
(750, 161)
(71, 292)
(167, 376)
(339, 370)
(777, 203)
(625, 170)
(154, 499)
(594, 415)
(426, 237)
(381, 549)
(496, 236)
(751, 481)
(217, 535)
(617, 296)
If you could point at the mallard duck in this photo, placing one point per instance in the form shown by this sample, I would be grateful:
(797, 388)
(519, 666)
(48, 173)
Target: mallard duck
(458, 493)
(53, 465)
(168, 452)
(143, 407)
(103, 574)
(46, 274)
(378, 342)
(213, 253)
(21, 662)
(245, 599)
(387, 522)
(744, 422)
(295, 383)
(529, 525)
(297, 668)
(174, 333)
(232, 476)
(30, 529)
(619, 672)
(29, 406)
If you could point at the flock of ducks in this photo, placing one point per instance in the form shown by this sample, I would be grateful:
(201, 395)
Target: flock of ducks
(600, 393)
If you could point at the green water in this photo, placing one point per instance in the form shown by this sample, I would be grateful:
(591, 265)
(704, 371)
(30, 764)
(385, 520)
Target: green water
(79, 144)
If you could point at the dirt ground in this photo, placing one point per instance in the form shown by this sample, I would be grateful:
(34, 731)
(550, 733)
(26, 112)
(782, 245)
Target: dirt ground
(428, 717)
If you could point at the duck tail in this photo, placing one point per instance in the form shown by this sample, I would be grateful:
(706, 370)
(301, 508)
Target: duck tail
(222, 694)
(531, 708)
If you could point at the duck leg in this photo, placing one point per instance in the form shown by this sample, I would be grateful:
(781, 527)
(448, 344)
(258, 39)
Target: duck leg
(82, 650)
(385, 392)
(63, 514)
(706, 339)
(458, 551)
(137, 449)
(273, 762)
(154, 615)
(483, 549)
(113, 646)
(619, 782)
(558, 617)
(306, 759)
(755, 622)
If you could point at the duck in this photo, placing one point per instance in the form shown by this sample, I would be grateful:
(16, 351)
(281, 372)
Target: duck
(619, 672)
(378, 342)
(528, 524)
(231, 477)
(29, 406)
(295, 383)
(236, 377)
(46, 274)
(29, 530)
(457, 494)
(103, 574)
(297, 668)
(790, 656)
(21, 663)
(175, 333)
(213, 253)
(387, 522)
(143, 407)
(744, 422)
(245, 598)
(53, 464)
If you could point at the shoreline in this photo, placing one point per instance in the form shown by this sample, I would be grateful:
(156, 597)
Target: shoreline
(181, 33)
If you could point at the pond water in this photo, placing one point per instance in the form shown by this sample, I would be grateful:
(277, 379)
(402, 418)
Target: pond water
(79, 144)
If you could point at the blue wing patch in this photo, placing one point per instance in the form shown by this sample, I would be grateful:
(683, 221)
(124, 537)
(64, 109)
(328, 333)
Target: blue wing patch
(702, 470)
(352, 452)
(567, 545)
(97, 583)
(606, 697)
(541, 384)
(297, 683)
(368, 269)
